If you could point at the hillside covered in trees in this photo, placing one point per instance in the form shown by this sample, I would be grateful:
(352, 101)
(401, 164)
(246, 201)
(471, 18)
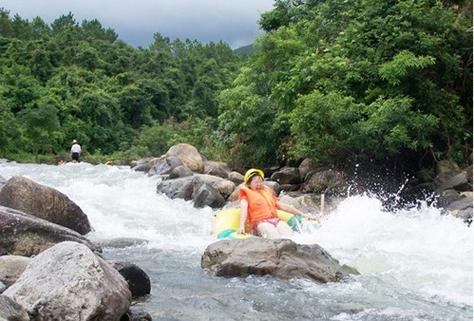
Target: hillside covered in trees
(329, 80)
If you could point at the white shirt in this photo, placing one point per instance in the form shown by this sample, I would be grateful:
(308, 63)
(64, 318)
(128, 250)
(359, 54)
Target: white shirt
(76, 148)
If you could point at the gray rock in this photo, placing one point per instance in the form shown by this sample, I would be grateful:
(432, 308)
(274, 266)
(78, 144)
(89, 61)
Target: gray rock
(25, 195)
(448, 196)
(136, 315)
(164, 165)
(280, 258)
(177, 188)
(11, 311)
(27, 235)
(206, 195)
(287, 176)
(446, 166)
(138, 281)
(140, 165)
(11, 267)
(214, 168)
(306, 166)
(236, 178)
(189, 155)
(68, 282)
(180, 171)
(453, 180)
(327, 180)
(185, 186)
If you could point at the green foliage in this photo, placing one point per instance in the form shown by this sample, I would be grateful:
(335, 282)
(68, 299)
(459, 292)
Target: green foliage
(71, 80)
(345, 78)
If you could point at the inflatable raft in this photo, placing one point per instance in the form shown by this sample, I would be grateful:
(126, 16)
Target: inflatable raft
(226, 223)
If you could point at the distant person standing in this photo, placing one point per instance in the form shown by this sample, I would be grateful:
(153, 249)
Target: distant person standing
(75, 151)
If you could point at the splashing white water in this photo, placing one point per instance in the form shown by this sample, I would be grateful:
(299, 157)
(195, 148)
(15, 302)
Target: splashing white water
(418, 248)
(414, 252)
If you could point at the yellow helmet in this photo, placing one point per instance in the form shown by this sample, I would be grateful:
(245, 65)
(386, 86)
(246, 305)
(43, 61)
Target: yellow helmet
(252, 172)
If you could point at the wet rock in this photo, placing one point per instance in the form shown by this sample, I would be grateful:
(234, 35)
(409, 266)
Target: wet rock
(11, 267)
(11, 311)
(185, 187)
(136, 315)
(461, 208)
(138, 281)
(207, 195)
(236, 178)
(287, 176)
(140, 165)
(189, 155)
(325, 181)
(122, 242)
(27, 235)
(25, 195)
(448, 196)
(446, 166)
(280, 258)
(165, 165)
(214, 168)
(306, 166)
(290, 188)
(180, 171)
(453, 180)
(68, 282)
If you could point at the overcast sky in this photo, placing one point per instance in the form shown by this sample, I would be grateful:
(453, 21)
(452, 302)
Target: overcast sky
(135, 21)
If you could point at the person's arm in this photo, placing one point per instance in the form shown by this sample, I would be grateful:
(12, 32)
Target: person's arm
(244, 206)
(291, 209)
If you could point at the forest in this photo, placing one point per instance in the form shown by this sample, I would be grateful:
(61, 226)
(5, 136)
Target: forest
(328, 80)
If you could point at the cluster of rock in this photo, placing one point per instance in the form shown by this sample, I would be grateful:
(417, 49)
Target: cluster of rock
(185, 173)
(49, 270)
(453, 188)
(189, 175)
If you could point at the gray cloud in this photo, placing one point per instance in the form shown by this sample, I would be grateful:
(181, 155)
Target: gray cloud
(235, 22)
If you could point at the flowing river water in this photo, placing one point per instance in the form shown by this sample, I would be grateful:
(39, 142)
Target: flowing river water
(415, 264)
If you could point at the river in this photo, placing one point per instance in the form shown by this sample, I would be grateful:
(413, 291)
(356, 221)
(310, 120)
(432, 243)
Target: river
(415, 264)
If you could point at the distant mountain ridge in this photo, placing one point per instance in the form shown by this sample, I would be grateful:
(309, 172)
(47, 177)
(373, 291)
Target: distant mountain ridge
(245, 50)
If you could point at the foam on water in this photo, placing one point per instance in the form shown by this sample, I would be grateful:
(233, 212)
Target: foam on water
(415, 264)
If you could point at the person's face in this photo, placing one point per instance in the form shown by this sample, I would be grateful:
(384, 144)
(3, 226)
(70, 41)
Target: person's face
(256, 182)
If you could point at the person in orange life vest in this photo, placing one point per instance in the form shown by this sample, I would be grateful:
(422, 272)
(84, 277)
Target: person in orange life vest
(258, 205)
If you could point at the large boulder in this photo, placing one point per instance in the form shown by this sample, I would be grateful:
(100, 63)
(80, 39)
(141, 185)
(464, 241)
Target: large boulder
(25, 195)
(287, 176)
(11, 311)
(280, 258)
(11, 267)
(27, 235)
(140, 165)
(236, 178)
(189, 155)
(69, 282)
(462, 207)
(165, 165)
(206, 195)
(186, 187)
(306, 166)
(214, 168)
(325, 181)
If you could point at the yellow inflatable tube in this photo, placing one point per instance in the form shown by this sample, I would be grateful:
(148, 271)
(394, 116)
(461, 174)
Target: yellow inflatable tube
(226, 223)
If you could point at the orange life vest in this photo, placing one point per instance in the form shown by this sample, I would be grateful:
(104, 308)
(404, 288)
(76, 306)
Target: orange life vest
(262, 204)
